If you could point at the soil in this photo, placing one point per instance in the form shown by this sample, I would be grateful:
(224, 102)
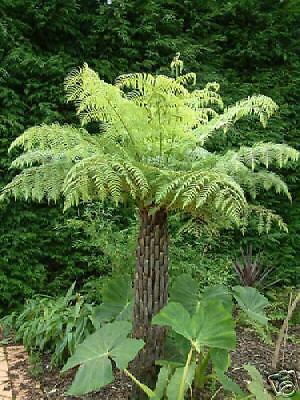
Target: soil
(50, 385)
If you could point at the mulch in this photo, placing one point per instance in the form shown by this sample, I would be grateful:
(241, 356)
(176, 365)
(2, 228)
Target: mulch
(51, 385)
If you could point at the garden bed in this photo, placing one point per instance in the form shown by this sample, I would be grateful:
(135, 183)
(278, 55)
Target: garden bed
(51, 385)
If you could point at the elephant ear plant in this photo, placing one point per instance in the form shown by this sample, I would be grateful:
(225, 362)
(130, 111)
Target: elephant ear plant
(212, 310)
(150, 148)
(202, 328)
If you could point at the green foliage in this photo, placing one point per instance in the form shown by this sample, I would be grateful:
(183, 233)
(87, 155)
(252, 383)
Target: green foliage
(36, 368)
(87, 246)
(185, 291)
(56, 325)
(206, 327)
(140, 152)
(95, 354)
(220, 40)
(256, 387)
(210, 326)
(279, 301)
(192, 372)
(192, 310)
(117, 299)
(248, 299)
(252, 302)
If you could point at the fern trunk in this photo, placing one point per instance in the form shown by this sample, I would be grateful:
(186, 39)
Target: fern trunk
(151, 290)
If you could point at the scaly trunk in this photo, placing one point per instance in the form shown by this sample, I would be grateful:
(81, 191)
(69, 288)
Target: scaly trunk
(151, 290)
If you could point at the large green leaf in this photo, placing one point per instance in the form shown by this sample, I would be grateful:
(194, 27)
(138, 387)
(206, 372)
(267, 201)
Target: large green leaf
(117, 301)
(177, 317)
(174, 384)
(95, 353)
(186, 292)
(252, 302)
(220, 359)
(162, 381)
(177, 348)
(256, 387)
(211, 325)
(220, 293)
(91, 376)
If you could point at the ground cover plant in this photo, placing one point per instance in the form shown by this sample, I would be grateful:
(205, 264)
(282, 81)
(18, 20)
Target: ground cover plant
(53, 325)
(150, 148)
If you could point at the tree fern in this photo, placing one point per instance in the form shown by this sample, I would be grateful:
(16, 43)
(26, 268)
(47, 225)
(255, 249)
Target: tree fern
(149, 147)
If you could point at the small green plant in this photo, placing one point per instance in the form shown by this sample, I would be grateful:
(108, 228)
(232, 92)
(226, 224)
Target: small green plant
(56, 325)
(7, 324)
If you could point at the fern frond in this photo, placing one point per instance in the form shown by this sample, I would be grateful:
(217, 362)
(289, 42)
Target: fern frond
(252, 181)
(267, 154)
(266, 218)
(262, 106)
(31, 158)
(146, 84)
(101, 177)
(52, 137)
(38, 183)
(187, 79)
(135, 81)
(147, 148)
(203, 98)
(192, 191)
(98, 101)
(257, 182)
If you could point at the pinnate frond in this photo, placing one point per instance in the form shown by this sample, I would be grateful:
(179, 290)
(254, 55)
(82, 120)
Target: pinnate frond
(52, 137)
(262, 106)
(146, 84)
(187, 79)
(38, 183)
(203, 98)
(257, 182)
(98, 101)
(266, 218)
(253, 182)
(100, 177)
(30, 158)
(200, 189)
(267, 154)
(148, 149)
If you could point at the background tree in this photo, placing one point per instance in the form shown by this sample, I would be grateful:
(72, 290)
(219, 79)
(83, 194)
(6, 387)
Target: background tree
(150, 148)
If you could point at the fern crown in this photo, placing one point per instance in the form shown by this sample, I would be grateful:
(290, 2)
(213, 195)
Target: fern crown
(150, 147)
